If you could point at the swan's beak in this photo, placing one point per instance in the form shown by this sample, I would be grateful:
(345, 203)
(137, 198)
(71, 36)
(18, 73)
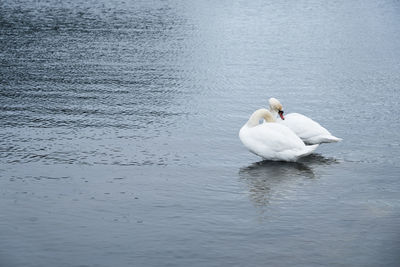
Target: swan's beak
(280, 112)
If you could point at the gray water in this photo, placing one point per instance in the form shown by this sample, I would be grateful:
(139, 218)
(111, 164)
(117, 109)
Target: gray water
(119, 133)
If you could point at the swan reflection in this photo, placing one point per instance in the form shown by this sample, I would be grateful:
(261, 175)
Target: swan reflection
(318, 159)
(266, 179)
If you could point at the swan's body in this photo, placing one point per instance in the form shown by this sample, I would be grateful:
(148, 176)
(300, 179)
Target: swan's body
(310, 131)
(271, 140)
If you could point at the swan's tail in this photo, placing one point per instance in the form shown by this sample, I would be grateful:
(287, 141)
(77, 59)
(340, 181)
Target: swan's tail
(330, 139)
(294, 155)
(308, 150)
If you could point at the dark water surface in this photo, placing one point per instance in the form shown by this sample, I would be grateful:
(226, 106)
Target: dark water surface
(119, 133)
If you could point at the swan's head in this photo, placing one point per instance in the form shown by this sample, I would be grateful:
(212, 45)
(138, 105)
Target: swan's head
(276, 106)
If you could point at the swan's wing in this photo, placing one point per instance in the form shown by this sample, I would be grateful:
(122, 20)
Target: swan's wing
(275, 137)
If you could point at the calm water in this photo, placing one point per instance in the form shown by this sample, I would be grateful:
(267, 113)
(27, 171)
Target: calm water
(119, 133)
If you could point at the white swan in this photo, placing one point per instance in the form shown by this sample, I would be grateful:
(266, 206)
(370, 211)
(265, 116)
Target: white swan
(310, 131)
(271, 140)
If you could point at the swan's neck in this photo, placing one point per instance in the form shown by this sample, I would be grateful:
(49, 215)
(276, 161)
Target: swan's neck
(260, 114)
